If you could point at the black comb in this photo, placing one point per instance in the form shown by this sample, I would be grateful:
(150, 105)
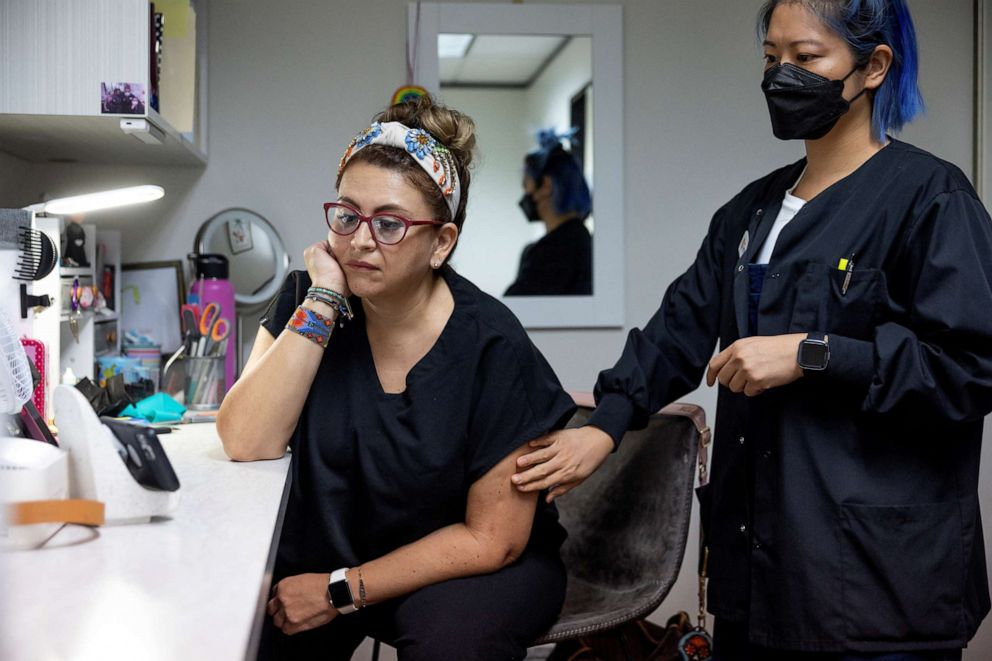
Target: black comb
(37, 255)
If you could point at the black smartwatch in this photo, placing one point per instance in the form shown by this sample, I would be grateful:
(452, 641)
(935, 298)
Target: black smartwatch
(814, 353)
(339, 592)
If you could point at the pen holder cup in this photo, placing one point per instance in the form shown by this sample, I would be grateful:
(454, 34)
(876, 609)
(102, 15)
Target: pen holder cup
(204, 384)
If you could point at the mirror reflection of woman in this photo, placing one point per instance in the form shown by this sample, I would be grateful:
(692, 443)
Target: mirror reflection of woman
(556, 194)
(406, 396)
(850, 294)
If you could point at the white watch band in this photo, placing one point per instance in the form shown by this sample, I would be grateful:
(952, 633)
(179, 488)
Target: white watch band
(338, 585)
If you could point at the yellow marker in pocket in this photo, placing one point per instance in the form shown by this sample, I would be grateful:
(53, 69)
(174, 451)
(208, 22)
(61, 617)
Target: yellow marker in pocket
(842, 264)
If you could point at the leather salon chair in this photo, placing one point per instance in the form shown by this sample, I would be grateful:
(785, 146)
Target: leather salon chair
(628, 523)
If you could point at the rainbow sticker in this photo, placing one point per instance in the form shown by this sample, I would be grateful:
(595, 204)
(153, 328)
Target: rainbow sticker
(408, 93)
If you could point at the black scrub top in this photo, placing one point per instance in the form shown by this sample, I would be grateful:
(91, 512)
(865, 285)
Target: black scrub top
(557, 264)
(373, 471)
(842, 512)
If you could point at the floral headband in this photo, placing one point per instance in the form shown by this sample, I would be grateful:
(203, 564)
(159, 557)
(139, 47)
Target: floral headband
(430, 154)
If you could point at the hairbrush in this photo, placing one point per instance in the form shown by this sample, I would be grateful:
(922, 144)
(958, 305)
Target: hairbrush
(36, 256)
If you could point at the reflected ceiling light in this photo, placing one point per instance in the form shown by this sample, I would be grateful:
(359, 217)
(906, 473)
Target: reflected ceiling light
(119, 197)
(453, 45)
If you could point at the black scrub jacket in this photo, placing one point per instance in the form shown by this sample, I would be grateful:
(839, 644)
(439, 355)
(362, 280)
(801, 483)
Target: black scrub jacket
(842, 512)
(557, 264)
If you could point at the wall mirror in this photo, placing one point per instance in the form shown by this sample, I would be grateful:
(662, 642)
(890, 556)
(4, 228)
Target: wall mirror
(518, 70)
(255, 252)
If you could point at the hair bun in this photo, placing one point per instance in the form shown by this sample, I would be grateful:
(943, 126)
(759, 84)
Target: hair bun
(453, 129)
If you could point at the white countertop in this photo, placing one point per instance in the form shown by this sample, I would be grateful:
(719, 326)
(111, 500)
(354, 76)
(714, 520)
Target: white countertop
(191, 586)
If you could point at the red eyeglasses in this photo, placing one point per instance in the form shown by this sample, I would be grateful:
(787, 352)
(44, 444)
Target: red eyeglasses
(387, 228)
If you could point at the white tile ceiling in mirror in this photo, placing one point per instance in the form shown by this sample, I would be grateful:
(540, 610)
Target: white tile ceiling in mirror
(496, 60)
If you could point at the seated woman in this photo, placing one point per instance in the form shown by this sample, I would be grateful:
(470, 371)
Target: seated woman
(405, 423)
(555, 193)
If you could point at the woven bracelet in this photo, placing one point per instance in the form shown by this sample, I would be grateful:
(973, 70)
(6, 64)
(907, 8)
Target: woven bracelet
(311, 325)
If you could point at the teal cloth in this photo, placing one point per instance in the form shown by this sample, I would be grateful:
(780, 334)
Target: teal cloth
(159, 407)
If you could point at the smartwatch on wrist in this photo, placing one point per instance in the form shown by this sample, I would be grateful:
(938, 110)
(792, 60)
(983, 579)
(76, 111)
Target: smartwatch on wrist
(814, 353)
(339, 592)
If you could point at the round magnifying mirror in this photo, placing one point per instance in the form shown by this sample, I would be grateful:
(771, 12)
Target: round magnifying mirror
(257, 257)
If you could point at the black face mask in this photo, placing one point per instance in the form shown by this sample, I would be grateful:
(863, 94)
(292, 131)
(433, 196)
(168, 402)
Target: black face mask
(802, 104)
(529, 207)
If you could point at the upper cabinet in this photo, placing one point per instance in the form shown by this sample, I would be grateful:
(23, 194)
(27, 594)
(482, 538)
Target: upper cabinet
(81, 81)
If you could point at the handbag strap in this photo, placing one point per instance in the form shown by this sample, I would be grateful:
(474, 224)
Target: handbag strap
(698, 416)
(704, 556)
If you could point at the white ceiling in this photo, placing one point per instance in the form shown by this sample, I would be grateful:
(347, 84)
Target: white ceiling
(500, 60)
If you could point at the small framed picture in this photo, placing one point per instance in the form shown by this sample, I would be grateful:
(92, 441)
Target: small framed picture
(122, 99)
(239, 234)
(152, 294)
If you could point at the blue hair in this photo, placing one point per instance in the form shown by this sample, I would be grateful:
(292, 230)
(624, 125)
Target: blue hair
(865, 24)
(569, 191)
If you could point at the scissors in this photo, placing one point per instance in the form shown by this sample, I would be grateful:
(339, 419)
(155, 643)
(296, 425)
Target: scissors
(191, 321)
(213, 329)
(218, 334)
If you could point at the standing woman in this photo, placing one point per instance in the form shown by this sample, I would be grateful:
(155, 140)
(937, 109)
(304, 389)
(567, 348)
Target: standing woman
(851, 295)
(555, 193)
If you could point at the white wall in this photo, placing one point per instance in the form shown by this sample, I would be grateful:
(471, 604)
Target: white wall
(291, 83)
(549, 103)
(549, 97)
(495, 230)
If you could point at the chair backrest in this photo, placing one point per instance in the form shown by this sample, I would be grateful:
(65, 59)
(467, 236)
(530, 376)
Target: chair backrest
(628, 523)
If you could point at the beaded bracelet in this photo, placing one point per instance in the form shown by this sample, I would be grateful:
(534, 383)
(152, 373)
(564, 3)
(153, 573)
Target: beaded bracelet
(311, 325)
(337, 301)
(343, 300)
(333, 304)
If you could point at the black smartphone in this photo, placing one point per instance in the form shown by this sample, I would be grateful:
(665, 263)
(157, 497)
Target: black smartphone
(143, 455)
